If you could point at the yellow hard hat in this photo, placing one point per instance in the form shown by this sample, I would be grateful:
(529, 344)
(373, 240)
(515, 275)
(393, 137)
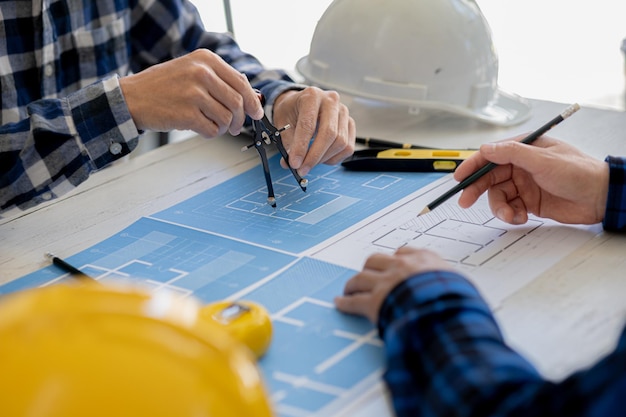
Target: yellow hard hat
(102, 350)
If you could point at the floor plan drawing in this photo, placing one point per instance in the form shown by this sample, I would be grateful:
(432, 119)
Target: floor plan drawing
(318, 356)
(335, 199)
(228, 243)
(465, 238)
(492, 252)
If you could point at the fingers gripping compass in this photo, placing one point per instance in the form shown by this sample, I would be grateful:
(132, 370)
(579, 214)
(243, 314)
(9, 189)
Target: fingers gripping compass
(265, 133)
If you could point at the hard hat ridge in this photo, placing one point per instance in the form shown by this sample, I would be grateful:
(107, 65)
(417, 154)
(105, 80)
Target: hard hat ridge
(420, 54)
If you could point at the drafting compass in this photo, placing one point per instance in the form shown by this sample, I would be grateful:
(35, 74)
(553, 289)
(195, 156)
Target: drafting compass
(266, 133)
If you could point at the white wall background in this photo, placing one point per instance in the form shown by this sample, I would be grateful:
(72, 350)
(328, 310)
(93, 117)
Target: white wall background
(559, 50)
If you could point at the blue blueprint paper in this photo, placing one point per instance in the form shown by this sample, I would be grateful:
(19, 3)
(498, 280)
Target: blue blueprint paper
(335, 199)
(225, 241)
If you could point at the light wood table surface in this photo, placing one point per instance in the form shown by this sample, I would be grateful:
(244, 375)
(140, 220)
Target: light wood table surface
(563, 320)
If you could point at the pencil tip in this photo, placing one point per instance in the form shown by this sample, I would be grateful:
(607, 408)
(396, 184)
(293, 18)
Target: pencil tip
(426, 210)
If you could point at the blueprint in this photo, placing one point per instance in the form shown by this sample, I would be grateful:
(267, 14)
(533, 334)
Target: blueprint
(227, 243)
(494, 254)
(335, 199)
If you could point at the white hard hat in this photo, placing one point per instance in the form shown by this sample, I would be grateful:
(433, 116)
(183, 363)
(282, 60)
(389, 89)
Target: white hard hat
(420, 54)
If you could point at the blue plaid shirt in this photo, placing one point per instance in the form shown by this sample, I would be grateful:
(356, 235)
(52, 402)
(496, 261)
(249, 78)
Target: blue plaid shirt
(63, 114)
(447, 357)
(615, 215)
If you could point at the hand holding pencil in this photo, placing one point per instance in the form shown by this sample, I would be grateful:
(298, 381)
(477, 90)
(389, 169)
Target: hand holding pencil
(483, 170)
(549, 178)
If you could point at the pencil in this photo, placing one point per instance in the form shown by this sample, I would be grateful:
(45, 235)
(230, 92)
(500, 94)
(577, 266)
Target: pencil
(485, 169)
(75, 272)
(381, 143)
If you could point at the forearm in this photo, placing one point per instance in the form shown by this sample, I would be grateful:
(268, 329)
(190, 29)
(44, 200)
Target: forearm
(62, 142)
(446, 356)
(182, 32)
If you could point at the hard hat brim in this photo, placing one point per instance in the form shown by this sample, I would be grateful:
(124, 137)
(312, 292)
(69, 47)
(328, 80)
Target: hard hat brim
(504, 108)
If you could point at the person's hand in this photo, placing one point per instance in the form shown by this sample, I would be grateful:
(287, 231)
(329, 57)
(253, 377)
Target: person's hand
(365, 292)
(198, 91)
(549, 178)
(318, 114)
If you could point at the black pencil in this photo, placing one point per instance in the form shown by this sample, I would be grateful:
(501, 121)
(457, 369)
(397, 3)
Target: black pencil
(381, 143)
(485, 169)
(75, 272)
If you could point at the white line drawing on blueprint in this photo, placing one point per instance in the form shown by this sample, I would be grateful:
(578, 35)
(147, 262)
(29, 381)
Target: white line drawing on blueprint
(313, 381)
(319, 359)
(294, 375)
(457, 235)
(117, 275)
(492, 253)
(322, 199)
(335, 200)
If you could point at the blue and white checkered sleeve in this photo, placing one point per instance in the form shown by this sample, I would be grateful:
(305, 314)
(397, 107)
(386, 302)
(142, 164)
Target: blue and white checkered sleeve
(447, 357)
(62, 142)
(178, 30)
(271, 82)
(445, 353)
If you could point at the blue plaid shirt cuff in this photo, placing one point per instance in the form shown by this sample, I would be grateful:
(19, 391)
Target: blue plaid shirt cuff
(615, 215)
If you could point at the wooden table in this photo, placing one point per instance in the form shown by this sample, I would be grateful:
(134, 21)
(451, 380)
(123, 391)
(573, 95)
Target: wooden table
(563, 320)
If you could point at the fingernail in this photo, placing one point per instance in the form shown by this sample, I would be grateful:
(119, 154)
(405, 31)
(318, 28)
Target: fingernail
(518, 219)
(500, 214)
